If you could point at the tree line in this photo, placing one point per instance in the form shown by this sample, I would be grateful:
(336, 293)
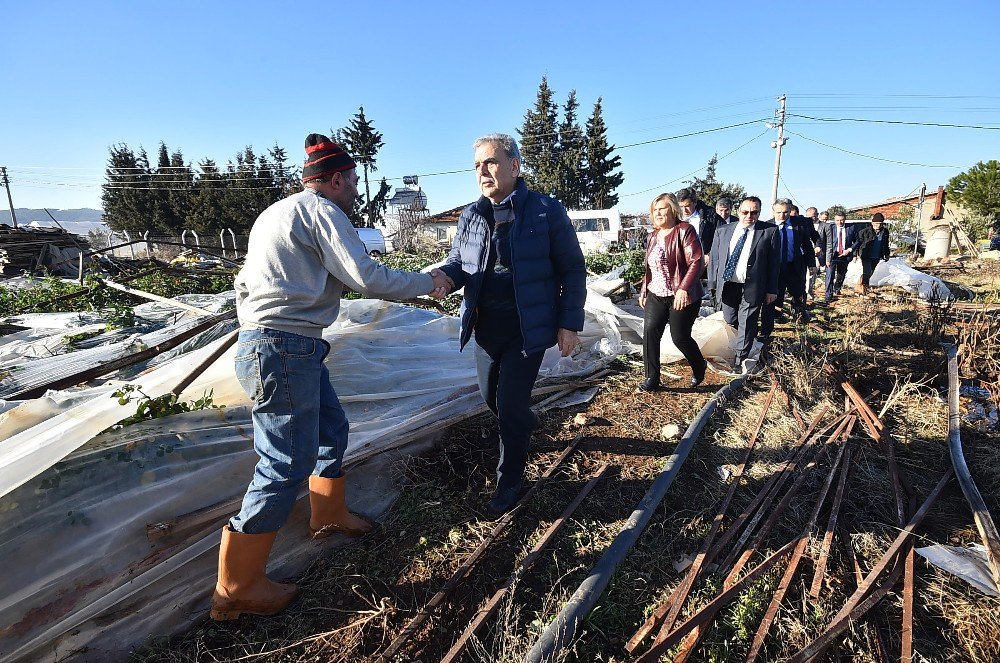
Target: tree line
(173, 195)
(563, 159)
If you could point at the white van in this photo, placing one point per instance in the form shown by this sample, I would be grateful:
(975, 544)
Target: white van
(374, 241)
(596, 230)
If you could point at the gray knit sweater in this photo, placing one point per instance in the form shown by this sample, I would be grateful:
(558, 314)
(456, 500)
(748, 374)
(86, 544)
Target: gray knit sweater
(302, 251)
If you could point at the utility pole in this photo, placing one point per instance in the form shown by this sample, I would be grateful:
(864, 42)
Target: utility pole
(920, 205)
(777, 145)
(6, 185)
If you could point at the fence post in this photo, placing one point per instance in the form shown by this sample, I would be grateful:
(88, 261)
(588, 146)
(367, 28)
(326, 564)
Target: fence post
(131, 247)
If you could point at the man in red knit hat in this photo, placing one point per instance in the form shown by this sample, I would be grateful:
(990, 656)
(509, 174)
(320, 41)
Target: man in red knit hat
(302, 252)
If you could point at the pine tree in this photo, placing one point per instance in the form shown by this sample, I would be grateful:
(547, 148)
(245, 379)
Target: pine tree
(207, 212)
(602, 176)
(163, 218)
(540, 143)
(119, 196)
(572, 148)
(181, 193)
(286, 178)
(710, 189)
(363, 143)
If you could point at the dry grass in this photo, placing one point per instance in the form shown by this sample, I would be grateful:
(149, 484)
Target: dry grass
(359, 598)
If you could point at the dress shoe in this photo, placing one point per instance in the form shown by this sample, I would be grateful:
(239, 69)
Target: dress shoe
(649, 384)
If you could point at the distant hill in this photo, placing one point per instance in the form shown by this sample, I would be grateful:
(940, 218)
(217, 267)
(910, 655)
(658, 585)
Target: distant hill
(80, 221)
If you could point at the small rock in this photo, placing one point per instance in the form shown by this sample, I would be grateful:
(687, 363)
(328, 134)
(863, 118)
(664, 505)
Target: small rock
(670, 432)
(684, 562)
(581, 419)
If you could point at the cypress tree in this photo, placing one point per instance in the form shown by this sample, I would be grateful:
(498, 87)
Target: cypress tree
(602, 174)
(540, 143)
(572, 147)
(363, 143)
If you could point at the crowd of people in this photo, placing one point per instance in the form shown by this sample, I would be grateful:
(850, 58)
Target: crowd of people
(749, 267)
(518, 260)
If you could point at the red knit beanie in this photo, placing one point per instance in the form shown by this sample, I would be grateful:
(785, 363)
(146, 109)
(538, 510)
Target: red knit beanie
(324, 157)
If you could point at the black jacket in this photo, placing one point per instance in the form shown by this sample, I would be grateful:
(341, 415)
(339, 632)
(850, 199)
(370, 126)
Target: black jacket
(550, 277)
(865, 238)
(762, 267)
(802, 249)
(709, 223)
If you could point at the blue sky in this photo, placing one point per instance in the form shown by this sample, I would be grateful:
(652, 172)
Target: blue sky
(212, 77)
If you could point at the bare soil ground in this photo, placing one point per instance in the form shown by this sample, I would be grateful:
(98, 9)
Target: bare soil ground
(360, 597)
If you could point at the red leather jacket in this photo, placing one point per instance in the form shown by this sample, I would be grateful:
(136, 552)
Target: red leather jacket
(685, 260)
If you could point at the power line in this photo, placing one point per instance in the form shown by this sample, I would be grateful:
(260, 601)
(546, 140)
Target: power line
(660, 186)
(789, 190)
(893, 96)
(869, 156)
(693, 133)
(916, 124)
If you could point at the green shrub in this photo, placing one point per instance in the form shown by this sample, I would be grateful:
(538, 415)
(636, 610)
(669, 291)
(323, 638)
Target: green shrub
(602, 263)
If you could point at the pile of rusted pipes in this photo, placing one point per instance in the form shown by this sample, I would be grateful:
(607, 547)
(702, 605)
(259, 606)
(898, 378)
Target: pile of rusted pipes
(729, 555)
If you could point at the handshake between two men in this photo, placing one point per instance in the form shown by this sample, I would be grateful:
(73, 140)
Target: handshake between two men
(443, 285)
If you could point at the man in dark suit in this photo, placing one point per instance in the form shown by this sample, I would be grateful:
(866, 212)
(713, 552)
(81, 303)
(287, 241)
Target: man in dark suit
(839, 250)
(701, 216)
(812, 263)
(795, 251)
(743, 274)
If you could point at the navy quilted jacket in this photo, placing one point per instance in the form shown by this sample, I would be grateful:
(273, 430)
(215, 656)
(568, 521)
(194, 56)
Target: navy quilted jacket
(547, 264)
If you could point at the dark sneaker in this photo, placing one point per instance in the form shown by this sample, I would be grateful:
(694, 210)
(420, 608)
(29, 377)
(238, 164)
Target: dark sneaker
(503, 500)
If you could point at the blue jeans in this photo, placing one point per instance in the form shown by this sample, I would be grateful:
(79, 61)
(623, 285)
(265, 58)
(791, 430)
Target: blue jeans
(299, 426)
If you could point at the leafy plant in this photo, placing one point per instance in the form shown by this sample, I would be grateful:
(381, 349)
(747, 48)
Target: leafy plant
(602, 263)
(148, 407)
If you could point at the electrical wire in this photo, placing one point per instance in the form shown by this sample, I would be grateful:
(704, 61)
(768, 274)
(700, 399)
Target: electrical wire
(693, 133)
(660, 186)
(788, 189)
(868, 156)
(916, 124)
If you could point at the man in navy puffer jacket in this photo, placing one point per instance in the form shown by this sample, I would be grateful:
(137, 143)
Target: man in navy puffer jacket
(518, 257)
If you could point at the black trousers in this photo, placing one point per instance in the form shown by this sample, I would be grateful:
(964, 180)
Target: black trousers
(791, 279)
(659, 313)
(506, 378)
(867, 267)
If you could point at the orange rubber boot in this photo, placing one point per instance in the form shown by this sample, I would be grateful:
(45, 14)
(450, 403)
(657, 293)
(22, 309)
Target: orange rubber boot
(242, 586)
(330, 515)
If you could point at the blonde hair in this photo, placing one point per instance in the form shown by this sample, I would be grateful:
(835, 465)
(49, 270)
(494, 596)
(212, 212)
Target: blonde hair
(672, 205)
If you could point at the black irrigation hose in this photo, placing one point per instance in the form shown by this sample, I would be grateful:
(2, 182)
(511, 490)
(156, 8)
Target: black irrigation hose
(562, 630)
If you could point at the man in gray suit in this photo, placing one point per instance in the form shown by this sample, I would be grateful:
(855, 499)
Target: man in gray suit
(743, 274)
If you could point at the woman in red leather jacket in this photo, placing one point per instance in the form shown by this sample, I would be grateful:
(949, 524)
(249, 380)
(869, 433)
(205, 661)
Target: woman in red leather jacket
(671, 290)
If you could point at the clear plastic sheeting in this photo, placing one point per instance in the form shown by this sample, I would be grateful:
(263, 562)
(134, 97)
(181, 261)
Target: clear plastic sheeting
(714, 337)
(710, 331)
(969, 563)
(38, 343)
(160, 313)
(895, 271)
(112, 539)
